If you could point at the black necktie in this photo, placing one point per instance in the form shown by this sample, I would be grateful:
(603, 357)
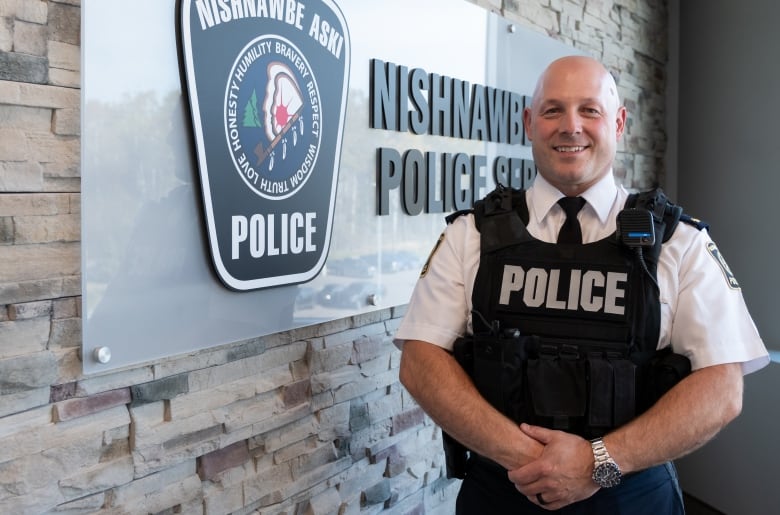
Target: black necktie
(570, 230)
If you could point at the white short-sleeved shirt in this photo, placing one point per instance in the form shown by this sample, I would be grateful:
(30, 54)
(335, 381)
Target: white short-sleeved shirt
(703, 313)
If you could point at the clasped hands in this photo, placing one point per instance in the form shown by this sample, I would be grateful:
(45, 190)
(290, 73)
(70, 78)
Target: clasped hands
(561, 474)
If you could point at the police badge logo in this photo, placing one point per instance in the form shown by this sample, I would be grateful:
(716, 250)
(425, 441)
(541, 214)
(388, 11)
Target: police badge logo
(267, 84)
(724, 267)
(279, 123)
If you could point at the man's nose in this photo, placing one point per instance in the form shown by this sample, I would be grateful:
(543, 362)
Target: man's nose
(571, 123)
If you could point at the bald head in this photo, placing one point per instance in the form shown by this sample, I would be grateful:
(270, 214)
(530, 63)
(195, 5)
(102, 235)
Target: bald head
(578, 69)
(574, 123)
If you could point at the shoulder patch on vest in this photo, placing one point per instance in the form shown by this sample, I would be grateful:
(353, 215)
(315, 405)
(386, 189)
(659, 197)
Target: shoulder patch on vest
(715, 253)
(430, 256)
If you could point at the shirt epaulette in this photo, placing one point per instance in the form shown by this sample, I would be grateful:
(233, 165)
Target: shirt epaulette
(452, 216)
(695, 222)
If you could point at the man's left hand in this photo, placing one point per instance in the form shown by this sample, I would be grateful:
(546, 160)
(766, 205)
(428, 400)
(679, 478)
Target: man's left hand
(561, 475)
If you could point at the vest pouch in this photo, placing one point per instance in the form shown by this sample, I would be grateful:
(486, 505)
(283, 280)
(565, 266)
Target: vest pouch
(514, 378)
(611, 392)
(625, 409)
(557, 386)
(463, 352)
(456, 456)
(488, 369)
(602, 386)
(498, 370)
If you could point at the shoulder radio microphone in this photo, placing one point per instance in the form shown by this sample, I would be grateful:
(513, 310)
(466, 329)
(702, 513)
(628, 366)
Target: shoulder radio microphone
(635, 228)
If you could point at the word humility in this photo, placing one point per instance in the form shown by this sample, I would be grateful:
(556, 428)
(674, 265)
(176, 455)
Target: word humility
(589, 290)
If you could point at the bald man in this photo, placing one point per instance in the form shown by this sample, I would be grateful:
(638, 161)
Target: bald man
(550, 449)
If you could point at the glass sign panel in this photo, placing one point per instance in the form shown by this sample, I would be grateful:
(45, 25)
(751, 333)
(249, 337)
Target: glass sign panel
(150, 288)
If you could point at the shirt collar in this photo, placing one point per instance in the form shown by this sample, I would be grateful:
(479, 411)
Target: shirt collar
(600, 196)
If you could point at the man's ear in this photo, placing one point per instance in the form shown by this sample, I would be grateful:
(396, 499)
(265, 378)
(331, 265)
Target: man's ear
(527, 122)
(620, 121)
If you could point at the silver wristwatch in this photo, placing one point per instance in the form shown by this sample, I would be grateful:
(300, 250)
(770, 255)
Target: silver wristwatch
(606, 472)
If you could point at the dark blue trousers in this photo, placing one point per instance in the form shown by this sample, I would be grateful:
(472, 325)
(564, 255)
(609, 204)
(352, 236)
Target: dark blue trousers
(655, 491)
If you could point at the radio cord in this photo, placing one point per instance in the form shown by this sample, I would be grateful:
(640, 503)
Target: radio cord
(641, 258)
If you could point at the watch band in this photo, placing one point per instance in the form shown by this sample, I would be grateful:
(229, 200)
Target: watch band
(606, 472)
(600, 453)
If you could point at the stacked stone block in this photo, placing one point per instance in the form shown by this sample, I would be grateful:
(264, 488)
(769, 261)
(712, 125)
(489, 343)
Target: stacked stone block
(310, 421)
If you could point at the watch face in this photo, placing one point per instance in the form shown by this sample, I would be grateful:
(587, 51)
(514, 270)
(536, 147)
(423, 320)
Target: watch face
(607, 475)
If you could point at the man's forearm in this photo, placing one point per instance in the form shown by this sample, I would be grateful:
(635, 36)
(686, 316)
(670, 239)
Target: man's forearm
(684, 419)
(448, 396)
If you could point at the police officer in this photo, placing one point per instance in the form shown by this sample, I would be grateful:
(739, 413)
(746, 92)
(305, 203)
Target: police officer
(575, 122)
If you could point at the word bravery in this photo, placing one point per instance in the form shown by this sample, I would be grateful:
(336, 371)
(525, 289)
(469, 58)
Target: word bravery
(214, 12)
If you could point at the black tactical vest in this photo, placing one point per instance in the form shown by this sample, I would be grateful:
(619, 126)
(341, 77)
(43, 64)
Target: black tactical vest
(565, 336)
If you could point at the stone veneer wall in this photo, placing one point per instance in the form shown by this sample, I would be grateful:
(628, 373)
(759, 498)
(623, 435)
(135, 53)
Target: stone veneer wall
(308, 421)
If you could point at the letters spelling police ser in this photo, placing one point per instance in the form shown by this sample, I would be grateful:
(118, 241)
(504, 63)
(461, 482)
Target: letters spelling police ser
(414, 101)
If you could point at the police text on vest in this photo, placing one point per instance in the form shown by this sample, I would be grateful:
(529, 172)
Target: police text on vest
(589, 290)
